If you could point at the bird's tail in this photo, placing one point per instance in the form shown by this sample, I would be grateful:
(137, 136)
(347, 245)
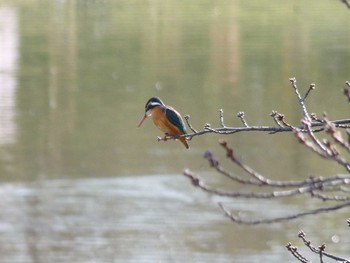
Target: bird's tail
(184, 142)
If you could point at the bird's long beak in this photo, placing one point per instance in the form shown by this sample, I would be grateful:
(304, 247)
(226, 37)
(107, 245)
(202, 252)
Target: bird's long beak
(142, 120)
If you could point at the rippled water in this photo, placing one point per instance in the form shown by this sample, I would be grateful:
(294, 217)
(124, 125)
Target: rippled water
(130, 219)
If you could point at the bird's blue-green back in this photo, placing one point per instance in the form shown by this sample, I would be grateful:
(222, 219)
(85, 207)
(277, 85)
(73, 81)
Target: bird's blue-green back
(175, 119)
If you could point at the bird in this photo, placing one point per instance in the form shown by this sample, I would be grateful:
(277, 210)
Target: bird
(166, 119)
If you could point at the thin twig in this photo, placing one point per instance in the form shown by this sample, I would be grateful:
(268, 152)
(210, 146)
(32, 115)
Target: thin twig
(239, 220)
(221, 117)
(336, 135)
(241, 116)
(320, 250)
(312, 87)
(260, 178)
(196, 181)
(187, 119)
(330, 197)
(294, 251)
(323, 149)
(274, 115)
(301, 101)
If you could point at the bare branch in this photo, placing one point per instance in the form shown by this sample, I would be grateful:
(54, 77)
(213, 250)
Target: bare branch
(274, 115)
(312, 87)
(336, 135)
(239, 220)
(187, 119)
(308, 188)
(324, 197)
(301, 101)
(260, 178)
(320, 250)
(294, 251)
(241, 116)
(325, 189)
(221, 117)
(324, 149)
(343, 123)
(216, 164)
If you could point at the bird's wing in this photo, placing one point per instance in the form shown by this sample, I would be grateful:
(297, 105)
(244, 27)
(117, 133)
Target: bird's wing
(175, 118)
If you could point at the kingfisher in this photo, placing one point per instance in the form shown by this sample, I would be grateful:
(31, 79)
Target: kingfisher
(166, 119)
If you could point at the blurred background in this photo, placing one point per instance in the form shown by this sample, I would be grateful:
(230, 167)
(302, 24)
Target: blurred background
(79, 181)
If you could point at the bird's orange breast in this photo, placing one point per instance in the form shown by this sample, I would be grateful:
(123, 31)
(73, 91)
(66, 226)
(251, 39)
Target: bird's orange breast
(162, 122)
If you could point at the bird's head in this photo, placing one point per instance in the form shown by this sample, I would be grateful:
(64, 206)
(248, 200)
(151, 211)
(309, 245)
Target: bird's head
(150, 105)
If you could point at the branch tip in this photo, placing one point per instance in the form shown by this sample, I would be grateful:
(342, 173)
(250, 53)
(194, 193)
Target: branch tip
(241, 116)
(207, 126)
(311, 87)
(293, 80)
(221, 116)
(322, 247)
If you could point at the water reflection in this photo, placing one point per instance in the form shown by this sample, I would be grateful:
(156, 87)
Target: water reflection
(87, 70)
(9, 45)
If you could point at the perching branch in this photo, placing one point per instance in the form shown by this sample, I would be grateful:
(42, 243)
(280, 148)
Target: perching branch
(281, 127)
(313, 123)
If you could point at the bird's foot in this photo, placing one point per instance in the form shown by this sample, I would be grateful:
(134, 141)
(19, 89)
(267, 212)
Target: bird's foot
(165, 138)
